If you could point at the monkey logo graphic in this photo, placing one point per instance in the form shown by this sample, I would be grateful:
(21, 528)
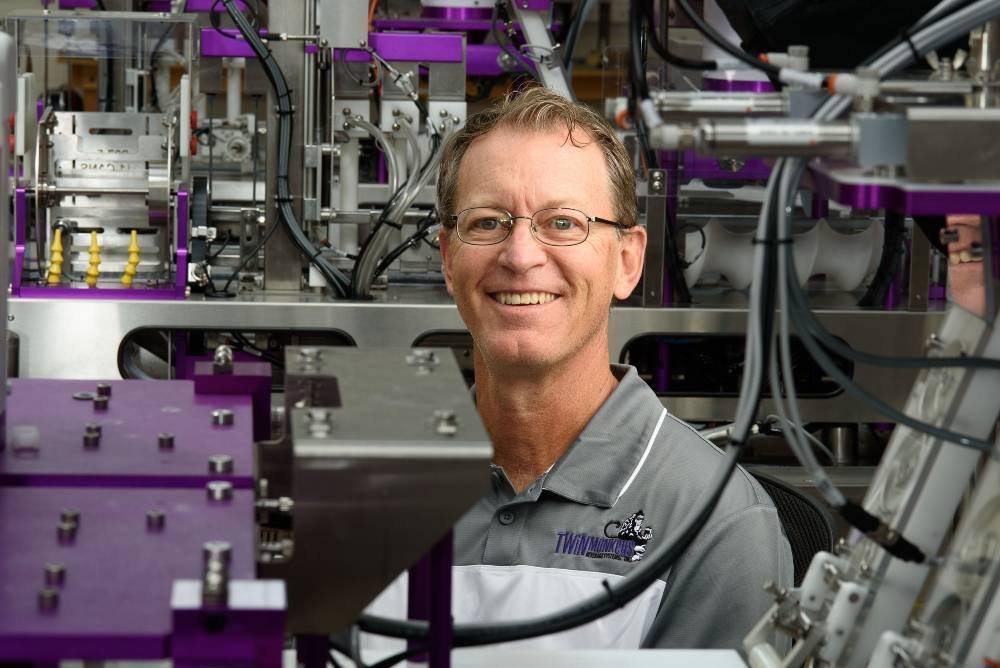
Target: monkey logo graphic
(631, 528)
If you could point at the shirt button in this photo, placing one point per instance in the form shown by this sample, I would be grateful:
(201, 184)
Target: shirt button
(506, 517)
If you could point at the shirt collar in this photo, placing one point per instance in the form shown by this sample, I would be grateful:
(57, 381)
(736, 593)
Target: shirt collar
(600, 461)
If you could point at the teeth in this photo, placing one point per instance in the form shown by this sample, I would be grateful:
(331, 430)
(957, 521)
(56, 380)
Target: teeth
(962, 257)
(524, 298)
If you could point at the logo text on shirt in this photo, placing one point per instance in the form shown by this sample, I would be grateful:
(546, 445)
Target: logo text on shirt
(623, 541)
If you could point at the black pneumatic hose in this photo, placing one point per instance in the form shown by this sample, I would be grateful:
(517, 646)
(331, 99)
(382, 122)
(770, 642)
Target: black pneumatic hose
(283, 198)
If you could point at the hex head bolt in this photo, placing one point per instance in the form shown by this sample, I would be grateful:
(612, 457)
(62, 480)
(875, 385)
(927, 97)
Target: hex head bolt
(48, 599)
(55, 575)
(220, 464)
(103, 390)
(155, 520)
(101, 403)
(165, 441)
(219, 490)
(222, 417)
(66, 532)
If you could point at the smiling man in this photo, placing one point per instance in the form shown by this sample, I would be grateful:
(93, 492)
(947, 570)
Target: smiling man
(591, 474)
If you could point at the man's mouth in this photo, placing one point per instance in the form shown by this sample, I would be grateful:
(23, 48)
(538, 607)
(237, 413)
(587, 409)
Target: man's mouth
(523, 298)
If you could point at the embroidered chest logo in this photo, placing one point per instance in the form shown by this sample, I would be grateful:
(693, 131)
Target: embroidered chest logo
(622, 541)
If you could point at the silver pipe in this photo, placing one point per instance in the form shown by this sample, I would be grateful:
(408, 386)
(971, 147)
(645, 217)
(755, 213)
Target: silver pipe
(674, 105)
(391, 159)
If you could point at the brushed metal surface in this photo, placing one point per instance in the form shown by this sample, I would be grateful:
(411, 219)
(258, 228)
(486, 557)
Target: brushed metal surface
(376, 480)
(80, 338)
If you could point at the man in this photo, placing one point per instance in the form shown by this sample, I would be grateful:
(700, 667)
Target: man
(590, 472)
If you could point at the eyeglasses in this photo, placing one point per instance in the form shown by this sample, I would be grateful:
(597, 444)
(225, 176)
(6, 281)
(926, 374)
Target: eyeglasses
(485, 226)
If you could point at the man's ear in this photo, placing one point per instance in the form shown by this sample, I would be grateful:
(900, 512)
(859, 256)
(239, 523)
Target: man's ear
(444, 243)
(632, 249)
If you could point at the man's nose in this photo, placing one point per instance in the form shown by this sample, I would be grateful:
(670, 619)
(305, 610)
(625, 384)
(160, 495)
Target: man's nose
(521, 251)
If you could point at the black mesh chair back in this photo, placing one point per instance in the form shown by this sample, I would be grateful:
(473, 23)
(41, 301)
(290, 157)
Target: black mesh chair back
(807, 524)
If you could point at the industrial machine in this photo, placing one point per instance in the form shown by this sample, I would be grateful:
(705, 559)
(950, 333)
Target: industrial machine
(224, 275)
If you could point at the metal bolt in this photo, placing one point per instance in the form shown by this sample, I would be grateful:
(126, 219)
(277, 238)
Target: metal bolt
(216, 556)
(222, 417)
(55, 575)
(66, 532)
(165, 440)
(220, 464)
(103, 390)
(100, 403)
(421, 357)
(70, 515)
(446, 423)
(93, 428)
(155, 519)
(91, 440)
(48, 599)
(310, 354)
(948, 235)
(219, 490)
(222, 361)
(319, 415)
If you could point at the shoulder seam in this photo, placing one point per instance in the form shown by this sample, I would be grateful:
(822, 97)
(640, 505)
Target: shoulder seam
(718, 451)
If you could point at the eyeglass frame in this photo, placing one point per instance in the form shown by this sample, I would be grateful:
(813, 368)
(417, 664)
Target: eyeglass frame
(452, 224)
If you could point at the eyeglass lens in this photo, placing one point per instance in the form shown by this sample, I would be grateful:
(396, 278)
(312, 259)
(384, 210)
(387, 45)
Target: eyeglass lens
(557, 227)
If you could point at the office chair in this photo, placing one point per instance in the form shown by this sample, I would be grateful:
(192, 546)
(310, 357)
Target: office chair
(807, 524)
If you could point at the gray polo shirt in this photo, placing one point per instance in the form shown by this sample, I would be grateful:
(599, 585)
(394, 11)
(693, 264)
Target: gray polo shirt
(626, 484)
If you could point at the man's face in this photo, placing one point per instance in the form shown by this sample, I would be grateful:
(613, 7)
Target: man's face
(523, 172)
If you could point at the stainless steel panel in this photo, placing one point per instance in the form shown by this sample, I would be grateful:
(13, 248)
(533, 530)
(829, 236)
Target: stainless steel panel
(79, 338)
(953, 144)
(378, 479)
(343, 23)
(282, 262)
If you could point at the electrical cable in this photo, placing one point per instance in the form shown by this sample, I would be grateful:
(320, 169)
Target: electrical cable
(724, 44)
(661, 47)
(892, 251)
(573, 34)
(797, 306)
(640, 92)
(504, 45)
(413, 241)
(337, 281)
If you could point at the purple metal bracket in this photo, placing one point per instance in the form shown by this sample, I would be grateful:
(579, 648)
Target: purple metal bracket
(441, 630)
(409, 47)
(456, 13)
(206, 6)
(214, 45)
(20, 225)
(129, 453)
(726, 85)
(114, 602)
(176, 291)
(180, 242)
(253, 378)
(248, 631)
(707, 168)
(903, 197)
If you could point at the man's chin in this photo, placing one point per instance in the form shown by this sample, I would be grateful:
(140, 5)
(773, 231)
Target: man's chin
(520, 358)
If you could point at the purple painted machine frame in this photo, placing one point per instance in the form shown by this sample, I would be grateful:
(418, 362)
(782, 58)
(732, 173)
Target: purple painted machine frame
(901, 196)
(176, 291)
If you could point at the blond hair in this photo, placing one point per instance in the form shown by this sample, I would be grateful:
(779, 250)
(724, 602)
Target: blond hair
(539, 109)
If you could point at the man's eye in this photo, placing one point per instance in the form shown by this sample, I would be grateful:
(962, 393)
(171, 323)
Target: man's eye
(561, 224)
(486, 224)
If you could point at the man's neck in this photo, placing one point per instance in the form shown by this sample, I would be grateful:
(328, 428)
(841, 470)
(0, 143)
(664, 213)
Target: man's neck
(534, 418)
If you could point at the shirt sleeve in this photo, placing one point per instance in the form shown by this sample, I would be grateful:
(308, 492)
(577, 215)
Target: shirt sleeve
(715, 593)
